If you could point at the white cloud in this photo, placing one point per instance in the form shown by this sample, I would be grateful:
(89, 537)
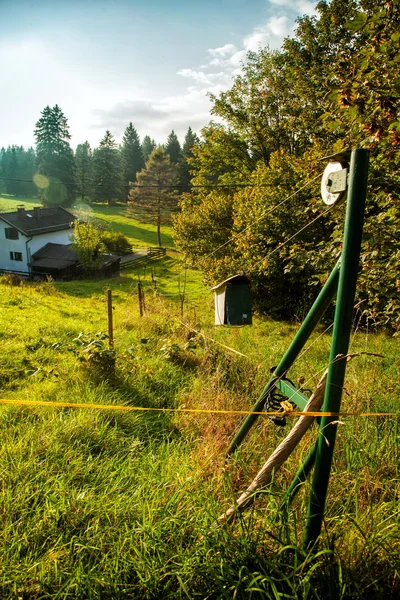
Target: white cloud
(198, 76)
(300, 7)
(223, 50)
(271, 34)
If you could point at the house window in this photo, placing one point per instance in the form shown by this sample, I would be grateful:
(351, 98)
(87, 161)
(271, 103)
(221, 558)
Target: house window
(11, 233)
(16, 256)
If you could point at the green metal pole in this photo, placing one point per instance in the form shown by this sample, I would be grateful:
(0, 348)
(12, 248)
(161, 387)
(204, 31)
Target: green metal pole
(300, 477)
(340, 339)
(313, 317)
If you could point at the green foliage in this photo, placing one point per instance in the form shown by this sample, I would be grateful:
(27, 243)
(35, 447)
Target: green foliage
(205, 223)
(54, 157)
(116, 242)
(262, 109)
(132, 157)
(153, 198)
(93, 355)
(17, 168)
(88, 245)
(147, 146)
(107, 171)
(11, 279)
(332, 86)
(191, 140)
(84, 169)
(2, 182)
(173, 148)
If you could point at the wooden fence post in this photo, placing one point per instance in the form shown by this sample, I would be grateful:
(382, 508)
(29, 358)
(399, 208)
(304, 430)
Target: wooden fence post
(140, 301)
(110, 320)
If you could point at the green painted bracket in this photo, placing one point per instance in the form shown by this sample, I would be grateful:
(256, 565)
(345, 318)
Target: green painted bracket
(292, 393)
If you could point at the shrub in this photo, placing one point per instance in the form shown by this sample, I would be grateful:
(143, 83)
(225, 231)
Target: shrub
(11, 279)
(116, 243)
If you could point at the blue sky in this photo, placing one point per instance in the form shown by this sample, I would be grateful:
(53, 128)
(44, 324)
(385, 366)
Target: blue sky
(107, 63)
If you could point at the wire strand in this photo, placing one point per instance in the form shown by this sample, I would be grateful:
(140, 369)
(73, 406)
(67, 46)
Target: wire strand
(265, 214)
(292, 237)
(141, 186)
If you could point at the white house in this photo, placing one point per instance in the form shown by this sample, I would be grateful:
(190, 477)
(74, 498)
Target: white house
(24, 232)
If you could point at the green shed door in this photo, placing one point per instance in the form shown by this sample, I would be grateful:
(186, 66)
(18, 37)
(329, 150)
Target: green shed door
(238, 305)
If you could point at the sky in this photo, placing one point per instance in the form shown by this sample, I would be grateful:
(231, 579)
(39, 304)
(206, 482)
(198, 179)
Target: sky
(110, 62)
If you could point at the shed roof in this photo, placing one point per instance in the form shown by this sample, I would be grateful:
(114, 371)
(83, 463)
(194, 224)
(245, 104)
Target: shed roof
(54, 256)
(235, 279)
(39, 220)
(62, 256)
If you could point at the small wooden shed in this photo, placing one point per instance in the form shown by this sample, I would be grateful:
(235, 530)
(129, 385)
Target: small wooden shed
(233, 301)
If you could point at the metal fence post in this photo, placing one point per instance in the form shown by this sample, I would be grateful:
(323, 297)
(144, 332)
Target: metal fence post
(313, 317)
(357, 192)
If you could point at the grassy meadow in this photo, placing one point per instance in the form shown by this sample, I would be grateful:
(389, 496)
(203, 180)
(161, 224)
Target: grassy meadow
(111, 504)
(140, 235)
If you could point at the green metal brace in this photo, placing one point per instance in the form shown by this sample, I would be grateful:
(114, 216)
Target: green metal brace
(313, 317)
(340, 339)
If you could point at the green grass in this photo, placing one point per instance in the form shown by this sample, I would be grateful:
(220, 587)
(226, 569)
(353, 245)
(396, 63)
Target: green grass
(140, 235)
(105, 504)
(10, 203)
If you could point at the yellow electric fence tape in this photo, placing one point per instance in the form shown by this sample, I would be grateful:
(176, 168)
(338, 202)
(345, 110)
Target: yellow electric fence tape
(193, 410)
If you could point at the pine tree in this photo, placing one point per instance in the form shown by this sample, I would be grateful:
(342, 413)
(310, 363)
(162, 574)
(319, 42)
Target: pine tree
(2, 182)
(26, 171)
(54, 157)
(18, 167)
(191, 140)
(12, 172)
(132, 157)
(84, 168)
(107, 170)
(152, 199)
(173, 147)
(148, 146)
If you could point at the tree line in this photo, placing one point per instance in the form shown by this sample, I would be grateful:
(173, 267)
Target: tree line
(333, 85)
(102, 174)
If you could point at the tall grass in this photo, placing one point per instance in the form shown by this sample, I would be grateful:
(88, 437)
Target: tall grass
(106, 504)
(102, 504)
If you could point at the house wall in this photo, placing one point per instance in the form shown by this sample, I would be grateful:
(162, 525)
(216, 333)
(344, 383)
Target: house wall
(27, 246)
(7, 246)
(56, 237)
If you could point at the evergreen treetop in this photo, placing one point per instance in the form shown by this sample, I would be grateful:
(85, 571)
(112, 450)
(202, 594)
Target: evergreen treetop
(148, 146)
(107, 170)
(173, 147)
(131, 155)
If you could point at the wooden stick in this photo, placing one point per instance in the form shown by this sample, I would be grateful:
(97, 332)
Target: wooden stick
(139, 288)
(110, 320)
(279, 456)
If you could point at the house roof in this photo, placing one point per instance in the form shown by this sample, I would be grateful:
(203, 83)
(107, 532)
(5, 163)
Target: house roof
(235, 280)
(54, 256)
(39, 220)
